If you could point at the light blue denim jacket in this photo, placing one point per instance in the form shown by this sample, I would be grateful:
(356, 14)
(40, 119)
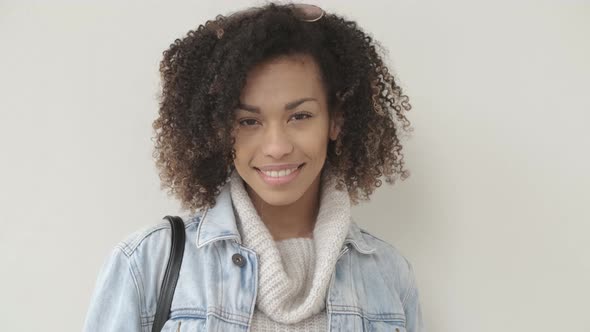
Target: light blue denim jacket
(372, 288)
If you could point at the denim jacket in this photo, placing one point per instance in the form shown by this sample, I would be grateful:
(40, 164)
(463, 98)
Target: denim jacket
(372, 288)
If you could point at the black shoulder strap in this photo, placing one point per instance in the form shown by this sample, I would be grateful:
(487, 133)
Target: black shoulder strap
(172, 271)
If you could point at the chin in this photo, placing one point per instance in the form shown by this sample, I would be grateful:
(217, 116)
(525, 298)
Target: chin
(278, 198)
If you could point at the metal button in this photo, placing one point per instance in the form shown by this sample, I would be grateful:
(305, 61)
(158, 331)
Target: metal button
(397, 329)
(238, 260)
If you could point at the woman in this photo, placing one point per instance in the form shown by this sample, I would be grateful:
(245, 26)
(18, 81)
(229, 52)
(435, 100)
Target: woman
(273, 122)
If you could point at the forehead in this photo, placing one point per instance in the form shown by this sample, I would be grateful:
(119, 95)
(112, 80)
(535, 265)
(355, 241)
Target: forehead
(281, 78)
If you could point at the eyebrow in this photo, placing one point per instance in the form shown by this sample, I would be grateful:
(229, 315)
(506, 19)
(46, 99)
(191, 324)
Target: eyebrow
(288, 106)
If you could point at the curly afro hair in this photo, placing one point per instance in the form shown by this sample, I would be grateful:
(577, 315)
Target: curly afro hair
(203, 74)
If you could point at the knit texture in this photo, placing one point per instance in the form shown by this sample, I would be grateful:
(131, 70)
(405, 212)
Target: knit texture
(294, 274)
(298, 257)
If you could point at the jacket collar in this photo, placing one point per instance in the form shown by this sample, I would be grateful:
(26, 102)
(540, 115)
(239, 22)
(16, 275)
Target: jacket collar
(219, 223)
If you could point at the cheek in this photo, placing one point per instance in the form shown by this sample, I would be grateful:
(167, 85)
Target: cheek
(245, 148)
(314, 143)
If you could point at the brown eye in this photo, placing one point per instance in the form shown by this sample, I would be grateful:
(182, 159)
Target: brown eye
(301, 116)
(247, 122)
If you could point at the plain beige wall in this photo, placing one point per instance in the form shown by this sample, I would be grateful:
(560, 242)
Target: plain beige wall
(494, 217)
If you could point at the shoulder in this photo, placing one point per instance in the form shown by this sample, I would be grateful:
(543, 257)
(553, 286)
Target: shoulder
(135, 267)
(390, 260)
(154, 237)
(382, 246)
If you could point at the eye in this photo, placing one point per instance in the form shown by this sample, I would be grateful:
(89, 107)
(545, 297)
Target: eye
(302, 116)
(247, 122)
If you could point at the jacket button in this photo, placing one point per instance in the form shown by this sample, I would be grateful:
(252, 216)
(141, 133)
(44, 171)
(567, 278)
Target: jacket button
(238, 260)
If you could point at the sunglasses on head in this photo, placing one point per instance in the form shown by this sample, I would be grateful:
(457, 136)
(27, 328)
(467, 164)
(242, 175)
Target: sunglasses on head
(304, 12)
(307, 13)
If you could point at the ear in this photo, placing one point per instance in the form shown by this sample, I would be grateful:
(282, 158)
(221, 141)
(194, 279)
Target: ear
(336, 121)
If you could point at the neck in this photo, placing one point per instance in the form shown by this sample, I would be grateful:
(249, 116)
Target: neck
(289, 221)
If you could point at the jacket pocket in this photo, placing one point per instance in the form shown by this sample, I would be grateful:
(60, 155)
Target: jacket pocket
(184, 324)
(382, 326)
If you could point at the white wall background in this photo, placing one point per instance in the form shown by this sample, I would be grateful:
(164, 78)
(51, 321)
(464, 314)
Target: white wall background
(494, 218)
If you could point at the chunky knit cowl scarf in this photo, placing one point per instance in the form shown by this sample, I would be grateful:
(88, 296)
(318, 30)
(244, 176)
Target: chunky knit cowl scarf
(288, 292)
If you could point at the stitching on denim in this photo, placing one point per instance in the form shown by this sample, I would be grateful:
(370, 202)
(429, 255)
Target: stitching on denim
(136, 241)
(412, 282)
(400, 320)
(192, 313)
(137, 282)
(228, 319)
(215, 250)
(360, 244)
(211, 309)
(227, 313)
(130, 246)
(381, 240)
(354, 310)
(137, 274)
(200, 225)
(255, 268)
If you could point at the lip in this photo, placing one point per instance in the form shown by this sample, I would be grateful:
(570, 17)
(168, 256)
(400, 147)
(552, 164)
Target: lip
(280, 180)
(278, 167)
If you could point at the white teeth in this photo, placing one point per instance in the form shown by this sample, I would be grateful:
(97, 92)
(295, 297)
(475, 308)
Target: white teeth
(277, 174)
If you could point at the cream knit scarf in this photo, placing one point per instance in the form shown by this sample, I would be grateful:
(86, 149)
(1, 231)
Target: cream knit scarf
(279, 297)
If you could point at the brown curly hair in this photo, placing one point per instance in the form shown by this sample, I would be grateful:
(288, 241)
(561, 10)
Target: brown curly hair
(203, 74)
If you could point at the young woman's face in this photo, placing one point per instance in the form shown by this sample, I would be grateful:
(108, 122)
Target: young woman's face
(283, 126)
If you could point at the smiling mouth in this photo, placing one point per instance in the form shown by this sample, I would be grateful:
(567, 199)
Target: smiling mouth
(298, 167)
(278, 178)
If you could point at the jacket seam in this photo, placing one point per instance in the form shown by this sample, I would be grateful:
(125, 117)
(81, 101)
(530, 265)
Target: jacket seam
(136, 242)
(195, 313)
(412, 282)
(141, 285)
(130, 246)
(137, 281)
(409, 290)
(220, 271)
(340, 309)
(391, 246)
(376, 238)
(253, 303)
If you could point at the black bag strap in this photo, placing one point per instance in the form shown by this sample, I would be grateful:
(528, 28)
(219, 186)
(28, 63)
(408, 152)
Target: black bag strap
(172, 272)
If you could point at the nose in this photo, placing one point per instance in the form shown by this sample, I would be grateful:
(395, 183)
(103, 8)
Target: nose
(276, 142)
